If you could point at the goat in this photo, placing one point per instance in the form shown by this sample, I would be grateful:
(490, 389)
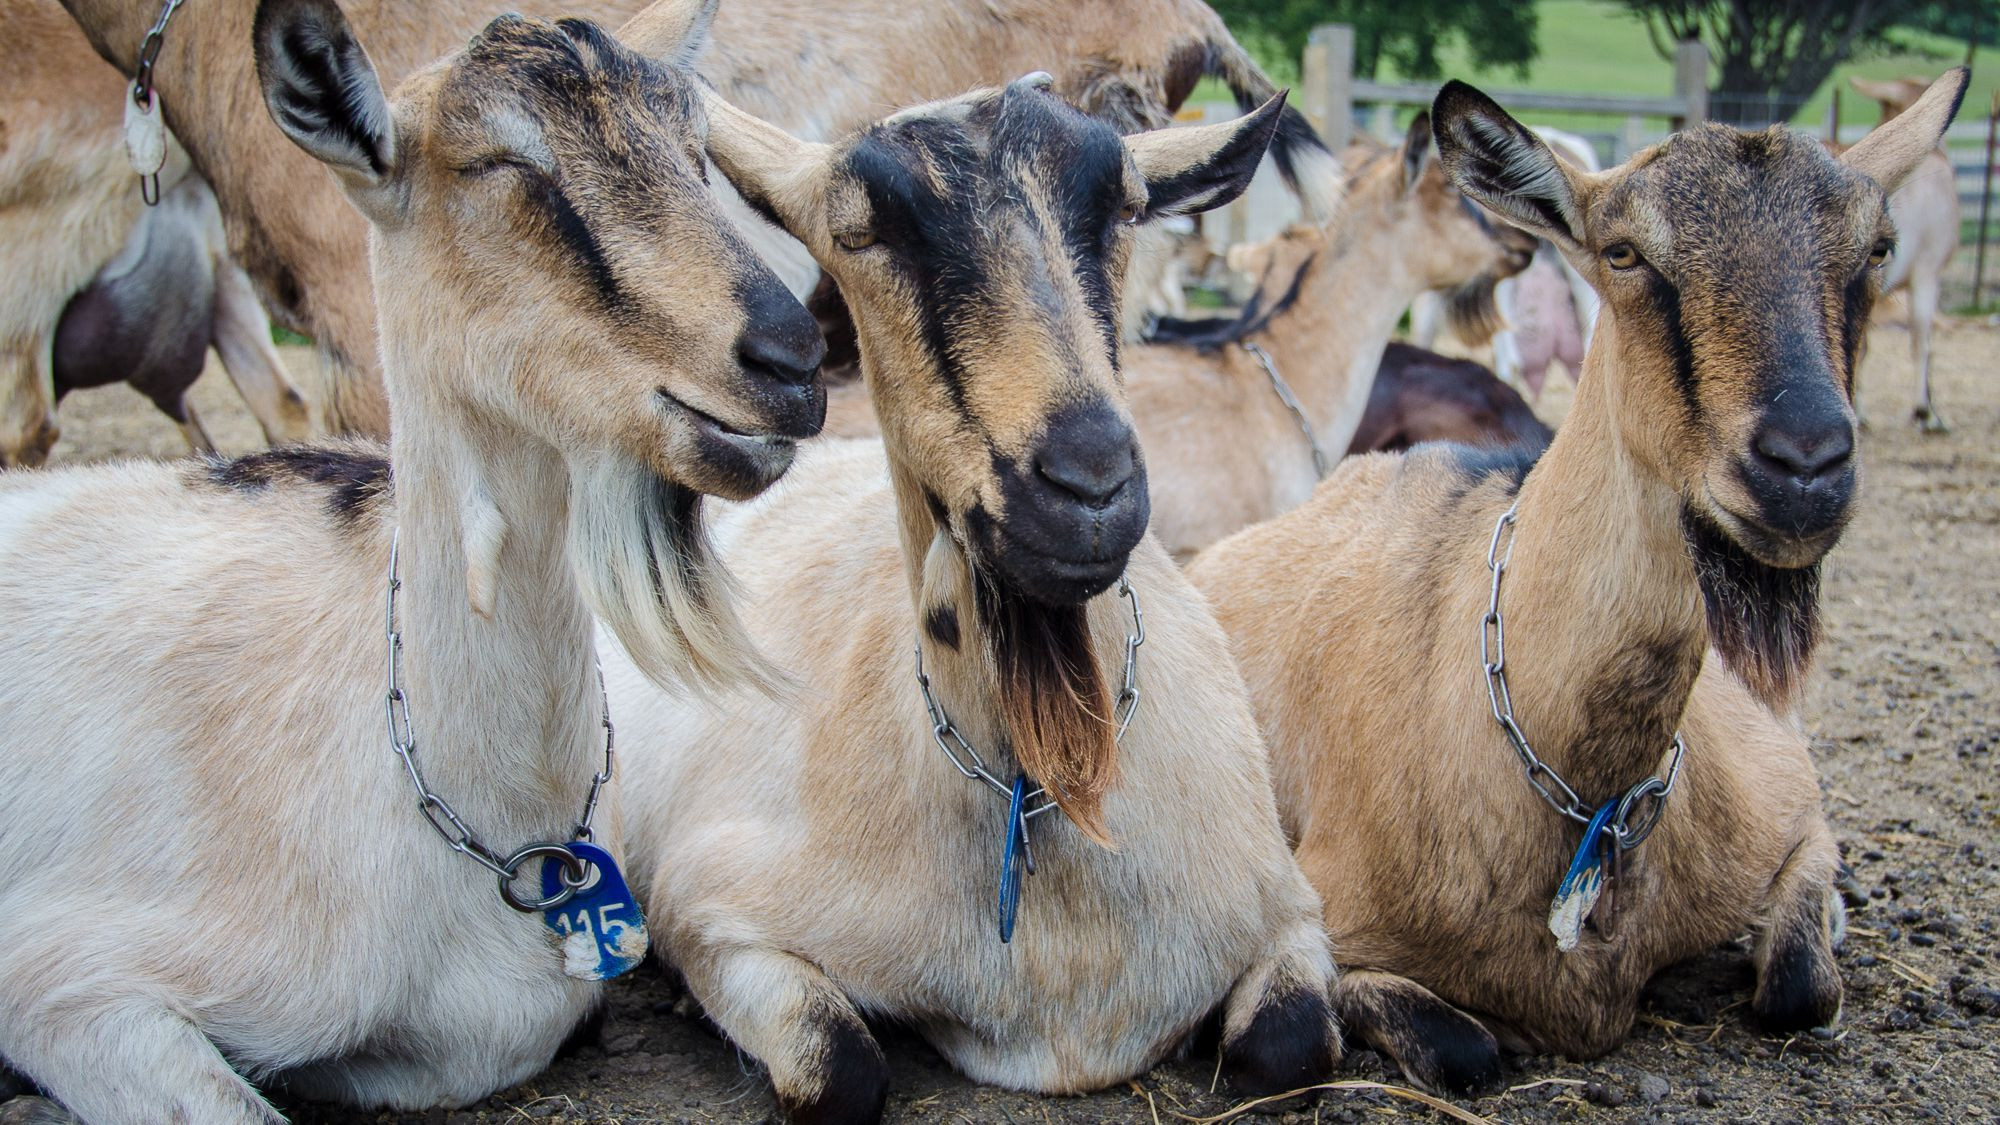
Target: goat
(814, 861)
(579, 345)
(1421, 396)
(1703, 471)
(817, 68)
(101, 289)
(1925, 210)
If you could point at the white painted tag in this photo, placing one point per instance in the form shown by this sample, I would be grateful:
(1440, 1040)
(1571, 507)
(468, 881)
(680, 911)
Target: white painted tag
(1573, 904)
(145, 135)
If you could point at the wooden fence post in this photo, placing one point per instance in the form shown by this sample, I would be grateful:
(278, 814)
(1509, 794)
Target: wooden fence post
(1691, 81)
(1327, 72)
(1985, 199)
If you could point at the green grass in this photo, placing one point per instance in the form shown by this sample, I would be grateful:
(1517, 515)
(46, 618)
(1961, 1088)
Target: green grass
(1591, 46)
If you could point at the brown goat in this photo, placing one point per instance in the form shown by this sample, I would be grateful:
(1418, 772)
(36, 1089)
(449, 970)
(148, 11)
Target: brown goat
(1703, 471)
(819, 69)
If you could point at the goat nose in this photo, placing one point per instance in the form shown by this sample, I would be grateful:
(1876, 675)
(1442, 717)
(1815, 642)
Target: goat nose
(781, 341)
(1805, 458)
(1093, 472)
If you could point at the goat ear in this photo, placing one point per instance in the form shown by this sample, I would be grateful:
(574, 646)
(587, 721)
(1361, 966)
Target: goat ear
(1203, 166)
(1893, 149)
(322, 92)
(1498, 162)
(674, 32)
(772, 170)
(1417, 150)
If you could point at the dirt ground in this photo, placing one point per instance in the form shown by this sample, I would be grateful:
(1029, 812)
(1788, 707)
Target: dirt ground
(1906, 715)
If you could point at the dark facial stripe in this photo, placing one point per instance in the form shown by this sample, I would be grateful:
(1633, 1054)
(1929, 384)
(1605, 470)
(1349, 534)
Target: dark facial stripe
(1857, 299)
(1666, 302)
(576, 238)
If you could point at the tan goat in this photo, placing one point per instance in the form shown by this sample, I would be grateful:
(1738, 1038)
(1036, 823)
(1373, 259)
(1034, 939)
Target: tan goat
(94, 286)
(1703, 471)
(813, 861)
(1925, 211)
(196, 769)
(818, 68)
(1222, 447)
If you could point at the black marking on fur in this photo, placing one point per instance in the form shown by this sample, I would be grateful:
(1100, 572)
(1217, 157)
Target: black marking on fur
(1209, 333)
(1294, 137)
(942, 624)
(576, 237)
(1672, 335)
(1289, 1044)
(1632, 703)
(1763, 620)
(356, 480)
(854, 1079)
(1421, 396)
(1857, 299)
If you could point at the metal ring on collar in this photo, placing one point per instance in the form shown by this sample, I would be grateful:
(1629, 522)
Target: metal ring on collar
(575, 874)
(1630, 834)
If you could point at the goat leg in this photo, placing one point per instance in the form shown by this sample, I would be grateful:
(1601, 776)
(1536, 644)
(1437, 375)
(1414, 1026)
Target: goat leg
(112, 1058)
(1278, 1030)
(1798, 982)
(1436, 1045)
(825, 1067)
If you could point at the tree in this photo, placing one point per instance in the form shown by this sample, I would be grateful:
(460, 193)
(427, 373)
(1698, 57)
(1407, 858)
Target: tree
(1770, 55)
(1404, 33)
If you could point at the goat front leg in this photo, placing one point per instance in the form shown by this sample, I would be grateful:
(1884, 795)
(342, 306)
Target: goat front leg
(1798, 981)
(1278, 1030)
(110, 1059)
(825, 1067)
(1436, 1045)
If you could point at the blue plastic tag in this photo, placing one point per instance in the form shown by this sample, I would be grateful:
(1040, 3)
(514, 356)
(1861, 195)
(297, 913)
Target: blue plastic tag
(1011, 860)
(1584, 881)
(602, 931)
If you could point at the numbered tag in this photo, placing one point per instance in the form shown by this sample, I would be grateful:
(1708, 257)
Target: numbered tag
(1012, 861)
(601, 929)
(145, 133)
(1583, 883)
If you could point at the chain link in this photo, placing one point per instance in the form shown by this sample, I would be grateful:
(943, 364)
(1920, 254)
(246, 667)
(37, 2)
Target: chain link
(142, 89)
(966, 760)
(1291, 402)
(1645, 801)
(445, 821)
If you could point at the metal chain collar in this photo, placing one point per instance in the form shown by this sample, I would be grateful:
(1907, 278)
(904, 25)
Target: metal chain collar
(966, 760)
(439, 813)
(1648, 798)
(1291, 401)
(142, 87)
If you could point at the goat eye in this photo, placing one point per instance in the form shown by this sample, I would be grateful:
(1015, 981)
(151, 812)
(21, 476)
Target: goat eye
(1621, 256)
(1881, 252)
(1130, 213)
(855, 239)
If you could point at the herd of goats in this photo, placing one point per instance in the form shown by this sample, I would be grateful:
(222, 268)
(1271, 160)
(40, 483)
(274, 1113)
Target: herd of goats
(358, 785)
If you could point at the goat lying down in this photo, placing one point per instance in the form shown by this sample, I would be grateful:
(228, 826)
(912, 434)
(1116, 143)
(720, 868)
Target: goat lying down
(196, 769)
(95, 287)
(817, 860)
(1702, 473)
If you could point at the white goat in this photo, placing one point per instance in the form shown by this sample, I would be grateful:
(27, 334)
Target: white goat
(215, 862)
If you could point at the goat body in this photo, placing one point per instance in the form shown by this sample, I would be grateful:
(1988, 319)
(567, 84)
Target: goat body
(1422, 396)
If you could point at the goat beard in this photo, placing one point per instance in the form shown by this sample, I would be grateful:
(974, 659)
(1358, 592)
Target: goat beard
(1053, 700)
(1763, 620)
(643, 561)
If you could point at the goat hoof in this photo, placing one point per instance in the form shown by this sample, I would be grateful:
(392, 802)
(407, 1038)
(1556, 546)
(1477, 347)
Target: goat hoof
(1436, 1045)
(854, 1081)
(1291, 1043)
(34, 1111)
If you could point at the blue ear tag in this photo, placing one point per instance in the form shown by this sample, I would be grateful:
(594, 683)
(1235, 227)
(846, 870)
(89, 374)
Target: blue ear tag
(602, 931)
(1584, 882)
(1011, 861)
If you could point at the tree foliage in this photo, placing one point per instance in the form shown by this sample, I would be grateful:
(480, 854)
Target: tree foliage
(1407, 34)
(1771, 55)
